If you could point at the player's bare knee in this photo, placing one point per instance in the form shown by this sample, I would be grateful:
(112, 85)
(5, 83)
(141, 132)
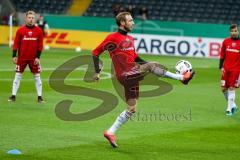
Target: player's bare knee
(131, 102)
(36, 75)
(224, 88)
(231, 88)
(131, 105)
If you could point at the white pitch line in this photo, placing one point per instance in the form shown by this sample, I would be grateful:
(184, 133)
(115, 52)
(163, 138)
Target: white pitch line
(48, 69)
(104, 75)
(108, 76)
(45, 79)
(81, 69)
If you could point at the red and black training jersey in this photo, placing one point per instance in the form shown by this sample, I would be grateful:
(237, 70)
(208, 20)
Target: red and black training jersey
(230, 53)
(121, 49)
(28, 41)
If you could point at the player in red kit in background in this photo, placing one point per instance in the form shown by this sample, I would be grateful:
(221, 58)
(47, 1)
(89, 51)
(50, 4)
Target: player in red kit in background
(27, 48)
(230, 66)
(129, 69)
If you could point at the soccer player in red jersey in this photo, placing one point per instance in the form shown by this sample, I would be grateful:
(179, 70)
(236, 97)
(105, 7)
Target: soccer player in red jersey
(129, 69)
(230, 67)
(27, 50)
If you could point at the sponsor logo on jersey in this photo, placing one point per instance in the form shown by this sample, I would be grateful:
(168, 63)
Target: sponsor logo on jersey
(232, 50)
(234, 44)
(126, 45)
(30, 33)
(127, 49)
(29, 38)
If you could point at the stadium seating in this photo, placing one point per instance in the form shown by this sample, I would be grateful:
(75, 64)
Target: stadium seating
(43, 6)
(209, 11)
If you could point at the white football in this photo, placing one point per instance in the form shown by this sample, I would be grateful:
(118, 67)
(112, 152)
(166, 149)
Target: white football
(183, 66)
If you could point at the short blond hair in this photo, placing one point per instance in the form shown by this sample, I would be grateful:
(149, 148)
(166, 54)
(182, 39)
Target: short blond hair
(121, 17)
(29, 12)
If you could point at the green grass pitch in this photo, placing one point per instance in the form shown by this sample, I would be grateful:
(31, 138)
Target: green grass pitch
(36, 130)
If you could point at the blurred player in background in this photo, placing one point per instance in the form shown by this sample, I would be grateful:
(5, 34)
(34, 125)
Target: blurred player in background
(27, 50)
(129, 69)
(230, 67)
(45, 28)
(43, 25)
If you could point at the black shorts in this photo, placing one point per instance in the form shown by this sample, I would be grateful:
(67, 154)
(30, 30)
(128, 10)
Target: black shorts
(130, 82)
